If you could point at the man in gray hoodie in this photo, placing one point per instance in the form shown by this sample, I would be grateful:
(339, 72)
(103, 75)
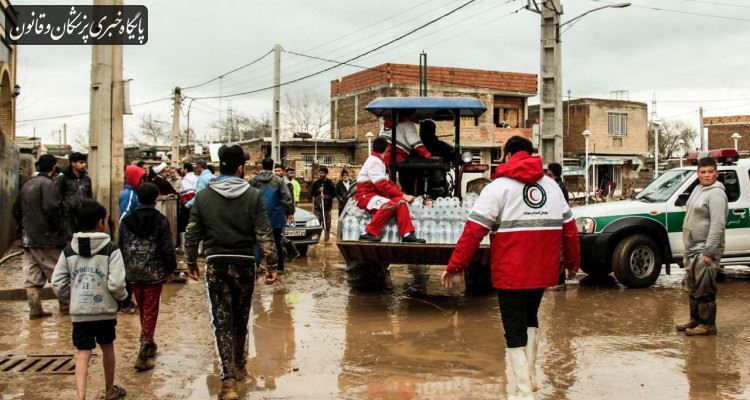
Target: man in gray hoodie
(230, 217)
(703, 235)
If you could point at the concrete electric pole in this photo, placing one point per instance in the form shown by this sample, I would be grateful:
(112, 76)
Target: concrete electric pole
(550, 81)
(176, 127)
(106, 158)
(276, 127)
(704, 138)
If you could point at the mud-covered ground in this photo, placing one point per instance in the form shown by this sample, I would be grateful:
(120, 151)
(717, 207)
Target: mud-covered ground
(312, 338)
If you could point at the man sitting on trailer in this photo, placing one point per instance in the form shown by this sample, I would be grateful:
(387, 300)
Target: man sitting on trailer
(407, 139)
(380, 196)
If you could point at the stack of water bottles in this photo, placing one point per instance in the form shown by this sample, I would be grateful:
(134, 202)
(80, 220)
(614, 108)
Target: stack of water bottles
(442, 221)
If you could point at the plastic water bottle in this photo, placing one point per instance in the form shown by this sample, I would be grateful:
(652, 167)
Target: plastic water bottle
(350, 226)
(362, 225)
(417, 228)
(428, 227)
(446, 232)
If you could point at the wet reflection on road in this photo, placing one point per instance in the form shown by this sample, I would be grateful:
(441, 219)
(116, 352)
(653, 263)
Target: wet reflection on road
(313, 338)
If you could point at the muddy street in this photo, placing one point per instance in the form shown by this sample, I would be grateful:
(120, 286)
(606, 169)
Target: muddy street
(313, 338)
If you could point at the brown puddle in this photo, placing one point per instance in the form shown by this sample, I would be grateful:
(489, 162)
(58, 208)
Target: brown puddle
(313, 338)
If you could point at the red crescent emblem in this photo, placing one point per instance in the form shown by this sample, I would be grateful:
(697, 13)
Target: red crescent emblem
(531, 195)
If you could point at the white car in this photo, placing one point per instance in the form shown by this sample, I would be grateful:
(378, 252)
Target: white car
(634, 238)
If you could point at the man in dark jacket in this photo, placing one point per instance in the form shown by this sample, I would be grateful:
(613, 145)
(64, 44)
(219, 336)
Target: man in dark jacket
(323, 191)
(73, 187)
(230, 217)
(37, 210)
(146, 243)
(342, 189)
(279, 206)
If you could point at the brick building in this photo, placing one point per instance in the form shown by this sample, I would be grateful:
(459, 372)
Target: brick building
(8, 91)
(720, 130)
(618, 141)
(505, 94)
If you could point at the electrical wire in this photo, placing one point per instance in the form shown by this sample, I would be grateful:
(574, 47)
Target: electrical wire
(434, 20)
(680, 11)
(718, 3)
(87, 113)
(229, 72)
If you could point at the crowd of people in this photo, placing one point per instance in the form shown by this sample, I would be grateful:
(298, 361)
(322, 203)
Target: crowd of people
(238, 224)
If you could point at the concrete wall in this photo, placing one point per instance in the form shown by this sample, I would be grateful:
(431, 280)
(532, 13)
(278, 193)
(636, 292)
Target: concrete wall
(9, 165)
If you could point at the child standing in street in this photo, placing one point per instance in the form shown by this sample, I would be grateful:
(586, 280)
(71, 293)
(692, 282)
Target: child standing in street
(90, 276)
(146, 241)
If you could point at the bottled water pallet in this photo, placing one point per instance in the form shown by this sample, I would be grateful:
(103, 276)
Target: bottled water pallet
(440, 223)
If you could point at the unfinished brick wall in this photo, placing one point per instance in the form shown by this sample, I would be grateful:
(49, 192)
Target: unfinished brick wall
(720, 130)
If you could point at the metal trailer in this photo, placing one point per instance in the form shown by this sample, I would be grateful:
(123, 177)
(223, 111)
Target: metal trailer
(367, 262)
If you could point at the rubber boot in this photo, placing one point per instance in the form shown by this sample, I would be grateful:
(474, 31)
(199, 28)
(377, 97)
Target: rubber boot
(519, 365)
(707, 313)
(229, 390)
(34, 296)
(694, 318)
(64, 308)
(531, 350)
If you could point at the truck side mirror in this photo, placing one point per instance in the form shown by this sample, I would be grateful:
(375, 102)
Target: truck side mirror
(682, 199)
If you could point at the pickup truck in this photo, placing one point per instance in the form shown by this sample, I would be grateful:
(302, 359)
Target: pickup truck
(636, 238)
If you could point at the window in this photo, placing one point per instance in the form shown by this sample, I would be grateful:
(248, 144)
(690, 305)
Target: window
(506, 117)
(730, 182)
(618, 124)
(323, 159)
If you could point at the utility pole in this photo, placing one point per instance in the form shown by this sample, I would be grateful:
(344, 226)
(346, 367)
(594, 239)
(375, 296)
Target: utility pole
(176, 127)
(423, 74)
(276, 128)
(550, 80)
(106, 159)
(65, 133)
(704, 139)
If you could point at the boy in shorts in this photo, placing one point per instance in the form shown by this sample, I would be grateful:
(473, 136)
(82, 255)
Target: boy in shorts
(90, 277)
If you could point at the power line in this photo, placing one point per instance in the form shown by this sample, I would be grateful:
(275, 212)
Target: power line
(718, 3)
(87, 113)
(681, 11)
(230, 72)
(434, 20)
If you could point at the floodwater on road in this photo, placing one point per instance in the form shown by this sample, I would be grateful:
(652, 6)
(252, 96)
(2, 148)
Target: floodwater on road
(313, 338)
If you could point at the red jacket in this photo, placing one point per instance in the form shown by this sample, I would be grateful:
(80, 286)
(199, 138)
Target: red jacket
(373, 181)
(531, 225)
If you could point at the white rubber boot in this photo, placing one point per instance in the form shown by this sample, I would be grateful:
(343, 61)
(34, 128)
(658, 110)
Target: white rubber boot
(519, 364)
(531, 350)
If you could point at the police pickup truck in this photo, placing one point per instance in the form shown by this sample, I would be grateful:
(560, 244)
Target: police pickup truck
(635, 238)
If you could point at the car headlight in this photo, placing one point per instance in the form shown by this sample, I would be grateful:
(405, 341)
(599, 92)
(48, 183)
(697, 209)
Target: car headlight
(312, 222)
(466, 157)
(586, 225)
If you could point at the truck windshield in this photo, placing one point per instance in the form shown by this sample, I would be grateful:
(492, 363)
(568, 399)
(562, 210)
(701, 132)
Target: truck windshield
(664, 186)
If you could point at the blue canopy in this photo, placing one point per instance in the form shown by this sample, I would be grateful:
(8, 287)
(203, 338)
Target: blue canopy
(434, 107)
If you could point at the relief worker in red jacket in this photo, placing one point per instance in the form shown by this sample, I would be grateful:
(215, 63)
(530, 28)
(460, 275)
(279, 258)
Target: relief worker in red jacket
(530, 224)
(380, 196)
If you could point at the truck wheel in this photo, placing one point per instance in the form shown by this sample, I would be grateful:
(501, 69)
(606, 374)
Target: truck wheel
(367, 277)
(478, 279)
(302, 250)
(636, 261)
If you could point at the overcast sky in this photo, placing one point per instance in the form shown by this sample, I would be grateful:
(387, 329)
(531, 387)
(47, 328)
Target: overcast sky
(685, 60)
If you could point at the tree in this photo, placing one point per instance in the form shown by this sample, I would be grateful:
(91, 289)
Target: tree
(675, 138)
(237, 126)
(154, 131)
(306, 113)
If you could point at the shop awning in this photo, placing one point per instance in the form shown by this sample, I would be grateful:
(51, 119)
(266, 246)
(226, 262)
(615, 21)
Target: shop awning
(569, 170)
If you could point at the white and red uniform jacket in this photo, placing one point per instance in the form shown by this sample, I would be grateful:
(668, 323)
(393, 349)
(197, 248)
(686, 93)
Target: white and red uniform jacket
(374, 188)
(407, 139)
(530, 223)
